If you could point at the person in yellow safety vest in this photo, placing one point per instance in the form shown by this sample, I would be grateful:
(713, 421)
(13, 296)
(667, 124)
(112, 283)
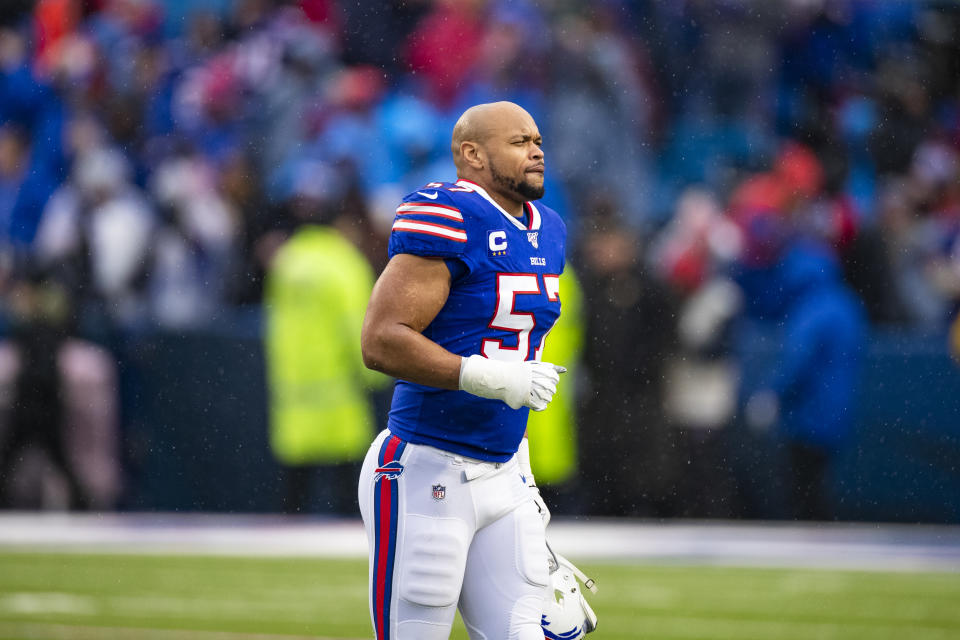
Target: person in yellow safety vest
(321, 419)
(552, 432)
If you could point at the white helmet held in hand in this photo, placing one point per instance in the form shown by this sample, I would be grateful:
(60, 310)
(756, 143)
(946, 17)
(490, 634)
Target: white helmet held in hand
(566, 614)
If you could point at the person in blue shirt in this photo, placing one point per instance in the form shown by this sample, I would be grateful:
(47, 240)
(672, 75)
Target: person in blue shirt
(810, 395)
(459, 316)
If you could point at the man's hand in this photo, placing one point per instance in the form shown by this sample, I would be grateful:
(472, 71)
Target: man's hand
(519, 384)
(523, 460)
(544, 377)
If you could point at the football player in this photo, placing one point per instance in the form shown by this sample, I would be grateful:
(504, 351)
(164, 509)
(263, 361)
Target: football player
(459, 316)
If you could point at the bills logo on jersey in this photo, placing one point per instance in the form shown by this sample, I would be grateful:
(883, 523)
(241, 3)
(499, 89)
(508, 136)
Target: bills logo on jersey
(497, 243)
(390, 471)
(439, 492)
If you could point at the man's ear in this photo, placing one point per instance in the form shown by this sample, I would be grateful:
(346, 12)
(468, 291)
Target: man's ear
(472, 155)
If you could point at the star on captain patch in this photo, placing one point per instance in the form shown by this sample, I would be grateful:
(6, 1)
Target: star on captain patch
(439, 492)
(532, 236)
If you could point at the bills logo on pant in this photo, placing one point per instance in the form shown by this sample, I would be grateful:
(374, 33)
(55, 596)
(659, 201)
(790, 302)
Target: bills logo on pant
(439, 492)
(390, 471)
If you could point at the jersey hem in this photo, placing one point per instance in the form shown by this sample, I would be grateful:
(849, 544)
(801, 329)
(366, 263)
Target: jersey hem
(449, 447)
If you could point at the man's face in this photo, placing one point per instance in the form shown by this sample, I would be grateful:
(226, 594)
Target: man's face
(515, 157)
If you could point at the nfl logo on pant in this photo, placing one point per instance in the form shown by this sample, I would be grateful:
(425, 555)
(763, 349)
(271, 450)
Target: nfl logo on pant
(439, 492)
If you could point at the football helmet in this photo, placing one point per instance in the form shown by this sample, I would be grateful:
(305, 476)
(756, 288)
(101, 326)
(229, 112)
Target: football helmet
(566, 614)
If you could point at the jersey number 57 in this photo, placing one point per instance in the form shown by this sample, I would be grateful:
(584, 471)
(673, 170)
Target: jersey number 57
(522, 323)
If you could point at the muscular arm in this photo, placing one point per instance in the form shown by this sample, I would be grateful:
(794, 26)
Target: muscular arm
(406, 298)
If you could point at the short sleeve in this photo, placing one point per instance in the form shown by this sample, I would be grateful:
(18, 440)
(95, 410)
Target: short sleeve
(428, 223)
(458, 269)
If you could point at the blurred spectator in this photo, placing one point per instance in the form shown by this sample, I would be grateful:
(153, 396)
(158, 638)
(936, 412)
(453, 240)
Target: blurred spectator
(31, 116)
(12, 12)
(97, 233)
(148, 149)
(919, 219)
(194, 254)
(701, 386)
(701, 379)
(904, 105)
(698, 242)
(510, 60)
(263, 227)
(60, 406)
(935, 174)
(599, 113)
(281, 84)
(317, 288)
(810, 395)
(351, 133)
(718, 77)
(417, 153)
(36, 410)
(291, 96)
(444, 46)
(13, 167)
(625, 462)
(373, 27)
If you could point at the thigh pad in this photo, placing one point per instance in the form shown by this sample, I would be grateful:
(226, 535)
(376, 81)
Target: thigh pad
(531, 546)
(432, 560)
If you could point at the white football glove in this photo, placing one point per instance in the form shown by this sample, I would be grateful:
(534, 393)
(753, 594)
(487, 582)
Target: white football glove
(519, 384)
(523, 460)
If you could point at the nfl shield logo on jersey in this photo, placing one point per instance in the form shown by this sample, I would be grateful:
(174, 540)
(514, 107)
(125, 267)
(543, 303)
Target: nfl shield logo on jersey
(439, 492)
(533, 237)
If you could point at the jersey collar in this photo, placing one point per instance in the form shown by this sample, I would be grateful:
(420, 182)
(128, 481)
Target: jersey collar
(534, 214)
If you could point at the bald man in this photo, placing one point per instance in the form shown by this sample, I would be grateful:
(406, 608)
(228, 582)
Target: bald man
(459, 316)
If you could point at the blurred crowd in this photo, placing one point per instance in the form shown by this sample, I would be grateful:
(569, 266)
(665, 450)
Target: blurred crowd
(150, 151)
(713, 159)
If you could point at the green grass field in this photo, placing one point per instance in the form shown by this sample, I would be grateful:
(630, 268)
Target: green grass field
(62, 595)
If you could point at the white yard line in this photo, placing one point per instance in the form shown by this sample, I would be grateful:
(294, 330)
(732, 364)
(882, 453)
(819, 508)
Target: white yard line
(721, 628)
(48, 631)
(834, 546)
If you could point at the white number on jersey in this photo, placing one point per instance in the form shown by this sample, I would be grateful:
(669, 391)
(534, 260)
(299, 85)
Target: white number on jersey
(509, 286)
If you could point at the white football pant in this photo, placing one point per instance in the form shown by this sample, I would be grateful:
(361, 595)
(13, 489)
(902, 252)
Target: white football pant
(448, 532)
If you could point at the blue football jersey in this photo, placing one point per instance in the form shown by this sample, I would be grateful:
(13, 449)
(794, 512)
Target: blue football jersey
(504, 299)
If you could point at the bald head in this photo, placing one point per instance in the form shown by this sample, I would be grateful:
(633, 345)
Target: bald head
(482, 121)
(497, 146)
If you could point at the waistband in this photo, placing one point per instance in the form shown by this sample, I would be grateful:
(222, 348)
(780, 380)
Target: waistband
(472, 467)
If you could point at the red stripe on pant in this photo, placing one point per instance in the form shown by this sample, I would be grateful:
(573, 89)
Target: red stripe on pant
(390, 450)
(386, 497)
